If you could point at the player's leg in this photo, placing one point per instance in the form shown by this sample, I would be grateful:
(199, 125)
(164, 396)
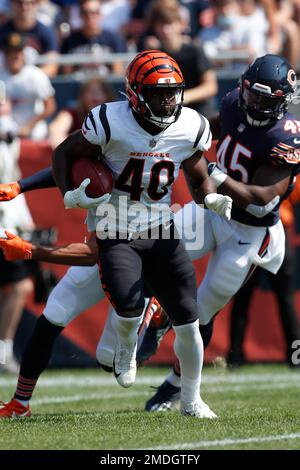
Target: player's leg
(106, 346)
(78, 290)
(229, 266)
(15, 285)
(194, 226)
(172, 277)
(239, 319)
(122, 281)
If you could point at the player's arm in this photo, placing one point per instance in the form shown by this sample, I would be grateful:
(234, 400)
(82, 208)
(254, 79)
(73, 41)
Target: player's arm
(75, 254)
(74, 146)
(268, 182)
(40, 180)
(201, 186)
(197, 178)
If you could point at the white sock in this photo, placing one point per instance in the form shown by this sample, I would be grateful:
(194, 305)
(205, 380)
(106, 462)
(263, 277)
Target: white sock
(2, 352)
(6, 350)
(174, 379)
(188, 347)
(126, 329)
(105, 350)
(9, 348)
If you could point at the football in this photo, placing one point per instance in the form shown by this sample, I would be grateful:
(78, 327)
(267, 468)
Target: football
(102, 179)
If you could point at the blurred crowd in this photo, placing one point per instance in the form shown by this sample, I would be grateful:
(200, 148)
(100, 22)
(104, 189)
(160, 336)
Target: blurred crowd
(242, 28)
(42, 39)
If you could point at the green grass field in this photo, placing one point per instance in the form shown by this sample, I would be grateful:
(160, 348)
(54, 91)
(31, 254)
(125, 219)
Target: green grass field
(258, 408)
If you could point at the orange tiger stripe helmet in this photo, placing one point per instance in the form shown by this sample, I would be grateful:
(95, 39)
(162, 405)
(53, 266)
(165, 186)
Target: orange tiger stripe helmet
(154, 87)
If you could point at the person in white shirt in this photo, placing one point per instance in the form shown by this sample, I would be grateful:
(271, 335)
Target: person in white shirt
(29, 90)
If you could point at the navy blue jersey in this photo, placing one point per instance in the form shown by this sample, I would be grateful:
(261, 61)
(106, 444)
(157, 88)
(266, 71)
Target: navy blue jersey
(40, 37)
(243, 148)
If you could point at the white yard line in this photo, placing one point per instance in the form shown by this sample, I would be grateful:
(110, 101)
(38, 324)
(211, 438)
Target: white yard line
(92, 380)
(128, 394)
(225, 442)
(84, 397)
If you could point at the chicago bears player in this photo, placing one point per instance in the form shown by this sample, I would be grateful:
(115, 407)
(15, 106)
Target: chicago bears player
(259, 143)
(144, 144)
(82, 285)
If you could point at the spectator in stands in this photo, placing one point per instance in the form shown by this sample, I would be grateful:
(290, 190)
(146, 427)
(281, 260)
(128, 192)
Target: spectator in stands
(14, 276)
(40, 39)
(167, 29)
(116, 14)
(289, 33)
(4, 11)
(283, 287)
(49, 13)
(91, 94)
(240, 26)
(91, 38)
(28, 88)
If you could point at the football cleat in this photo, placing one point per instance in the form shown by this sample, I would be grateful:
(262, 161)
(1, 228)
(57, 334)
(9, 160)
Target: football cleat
(158, 327)
(125, 366)
(198, 409)
(14, 409)
(166, 398)
(151, 342)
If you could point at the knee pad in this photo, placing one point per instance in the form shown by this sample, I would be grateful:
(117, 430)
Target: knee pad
(77, 291)
(81, 276)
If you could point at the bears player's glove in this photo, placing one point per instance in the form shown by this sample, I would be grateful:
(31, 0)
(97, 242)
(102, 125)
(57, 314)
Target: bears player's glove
(78, 198)
(9, 191)
(220, 204)
(217, 175)
(15, 248)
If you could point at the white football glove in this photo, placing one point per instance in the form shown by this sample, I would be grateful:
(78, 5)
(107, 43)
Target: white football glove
(78, 197)
(220, 204)
(216, 174)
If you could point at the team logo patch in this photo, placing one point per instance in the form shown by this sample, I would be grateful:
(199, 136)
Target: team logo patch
(286, 153)
(292, 78)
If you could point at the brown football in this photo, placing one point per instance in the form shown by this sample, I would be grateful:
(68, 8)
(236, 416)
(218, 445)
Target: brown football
(102, 179)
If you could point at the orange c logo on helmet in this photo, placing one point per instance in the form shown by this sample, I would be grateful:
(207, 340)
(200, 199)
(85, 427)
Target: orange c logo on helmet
(292, 78)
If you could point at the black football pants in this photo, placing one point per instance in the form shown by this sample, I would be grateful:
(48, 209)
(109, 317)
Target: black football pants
(163, 266)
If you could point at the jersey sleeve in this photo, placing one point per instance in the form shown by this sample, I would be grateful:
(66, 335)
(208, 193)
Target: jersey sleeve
(286, 152)
(95, 127)
(203, 135)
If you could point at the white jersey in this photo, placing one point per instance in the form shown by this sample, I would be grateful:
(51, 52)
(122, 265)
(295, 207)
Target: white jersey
(27, 90)
(144, 166)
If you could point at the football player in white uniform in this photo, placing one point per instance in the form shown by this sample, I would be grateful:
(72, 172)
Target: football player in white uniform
(144, 144)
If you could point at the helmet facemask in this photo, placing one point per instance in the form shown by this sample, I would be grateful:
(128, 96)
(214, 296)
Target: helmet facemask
(260, 108)
(162, 104)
